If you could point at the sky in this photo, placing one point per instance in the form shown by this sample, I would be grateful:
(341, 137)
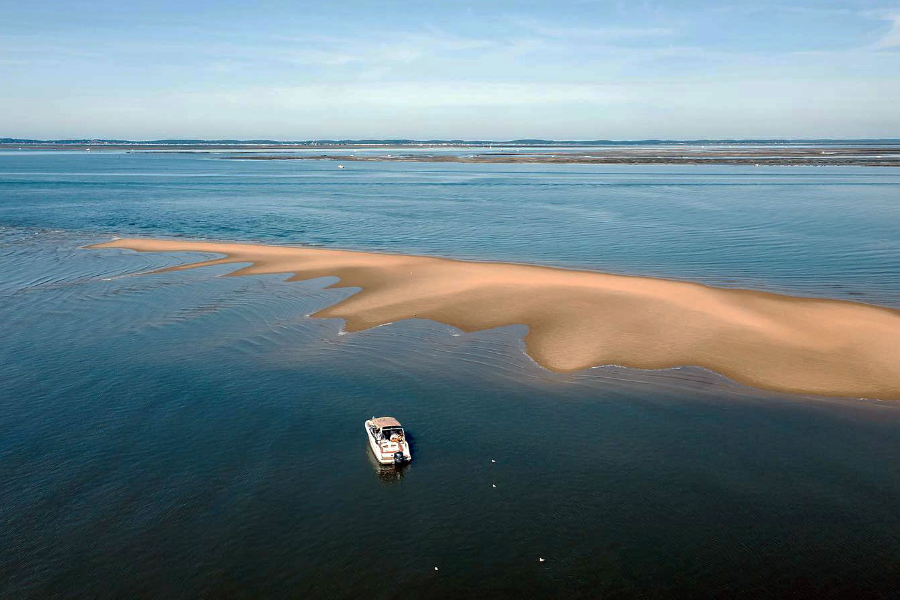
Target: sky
(511, 69)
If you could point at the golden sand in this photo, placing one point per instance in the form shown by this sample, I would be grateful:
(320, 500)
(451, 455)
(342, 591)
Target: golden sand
(580, 319)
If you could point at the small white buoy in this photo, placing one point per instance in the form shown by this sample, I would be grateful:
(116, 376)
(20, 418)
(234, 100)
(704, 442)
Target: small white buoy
(435, 568)
(494, 485)
(493, 461)
(540, 560)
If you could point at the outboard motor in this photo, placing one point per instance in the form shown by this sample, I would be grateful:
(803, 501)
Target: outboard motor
(398, 457)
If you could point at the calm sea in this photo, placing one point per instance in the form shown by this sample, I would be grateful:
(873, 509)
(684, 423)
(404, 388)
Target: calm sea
(187, 435)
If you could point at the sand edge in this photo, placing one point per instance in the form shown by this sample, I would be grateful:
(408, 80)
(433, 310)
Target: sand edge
(579, 319)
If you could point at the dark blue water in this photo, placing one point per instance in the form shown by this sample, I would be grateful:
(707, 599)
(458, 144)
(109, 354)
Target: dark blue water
(187, 435)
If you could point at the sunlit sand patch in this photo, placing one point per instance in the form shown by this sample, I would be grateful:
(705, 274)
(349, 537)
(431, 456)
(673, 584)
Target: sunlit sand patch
(581, 319)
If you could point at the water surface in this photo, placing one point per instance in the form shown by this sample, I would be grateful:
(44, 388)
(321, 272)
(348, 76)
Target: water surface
(188, 435)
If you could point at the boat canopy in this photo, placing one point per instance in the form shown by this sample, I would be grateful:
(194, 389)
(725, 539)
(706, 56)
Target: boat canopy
(382, 422)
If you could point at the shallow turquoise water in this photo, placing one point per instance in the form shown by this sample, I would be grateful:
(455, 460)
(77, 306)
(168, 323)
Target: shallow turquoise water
(189, 435)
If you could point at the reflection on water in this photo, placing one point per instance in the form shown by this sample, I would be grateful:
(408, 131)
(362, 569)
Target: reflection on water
(388, 473)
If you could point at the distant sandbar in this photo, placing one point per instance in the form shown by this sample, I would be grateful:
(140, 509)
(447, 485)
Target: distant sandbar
(581, 319)
(878, 156)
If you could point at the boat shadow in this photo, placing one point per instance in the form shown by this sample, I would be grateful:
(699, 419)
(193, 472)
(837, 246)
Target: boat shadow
(387, 473)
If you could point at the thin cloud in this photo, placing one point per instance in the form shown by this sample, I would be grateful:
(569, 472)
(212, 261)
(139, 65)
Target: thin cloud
(604, 33)
(892, 38)
(598, 33)
(404, 48)
(318, 57)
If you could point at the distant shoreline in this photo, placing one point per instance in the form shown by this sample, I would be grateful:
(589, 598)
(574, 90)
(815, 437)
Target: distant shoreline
(815, 157)
(810, 153)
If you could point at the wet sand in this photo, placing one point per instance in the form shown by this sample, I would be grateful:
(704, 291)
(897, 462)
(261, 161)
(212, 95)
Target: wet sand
(747, 153)
(818, 156)
(581, 319)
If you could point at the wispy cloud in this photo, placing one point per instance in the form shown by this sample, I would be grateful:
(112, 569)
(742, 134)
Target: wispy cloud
(445, 94)
(403, 47)
(604, 33)
(326, 58)
(697, 108)
(365, 69)
(891, 39)
(597, 33)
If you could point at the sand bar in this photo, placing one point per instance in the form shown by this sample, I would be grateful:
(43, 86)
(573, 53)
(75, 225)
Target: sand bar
(740, 155)
(581, 319)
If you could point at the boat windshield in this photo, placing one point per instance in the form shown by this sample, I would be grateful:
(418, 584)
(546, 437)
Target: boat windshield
(389, 432)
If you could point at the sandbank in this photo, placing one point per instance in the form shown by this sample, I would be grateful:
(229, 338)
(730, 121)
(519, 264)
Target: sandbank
(582, 319)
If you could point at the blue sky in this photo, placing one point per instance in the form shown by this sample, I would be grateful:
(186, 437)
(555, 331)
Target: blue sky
(488, 69)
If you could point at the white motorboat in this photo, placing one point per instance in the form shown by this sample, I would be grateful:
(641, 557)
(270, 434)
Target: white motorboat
(388, 440)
